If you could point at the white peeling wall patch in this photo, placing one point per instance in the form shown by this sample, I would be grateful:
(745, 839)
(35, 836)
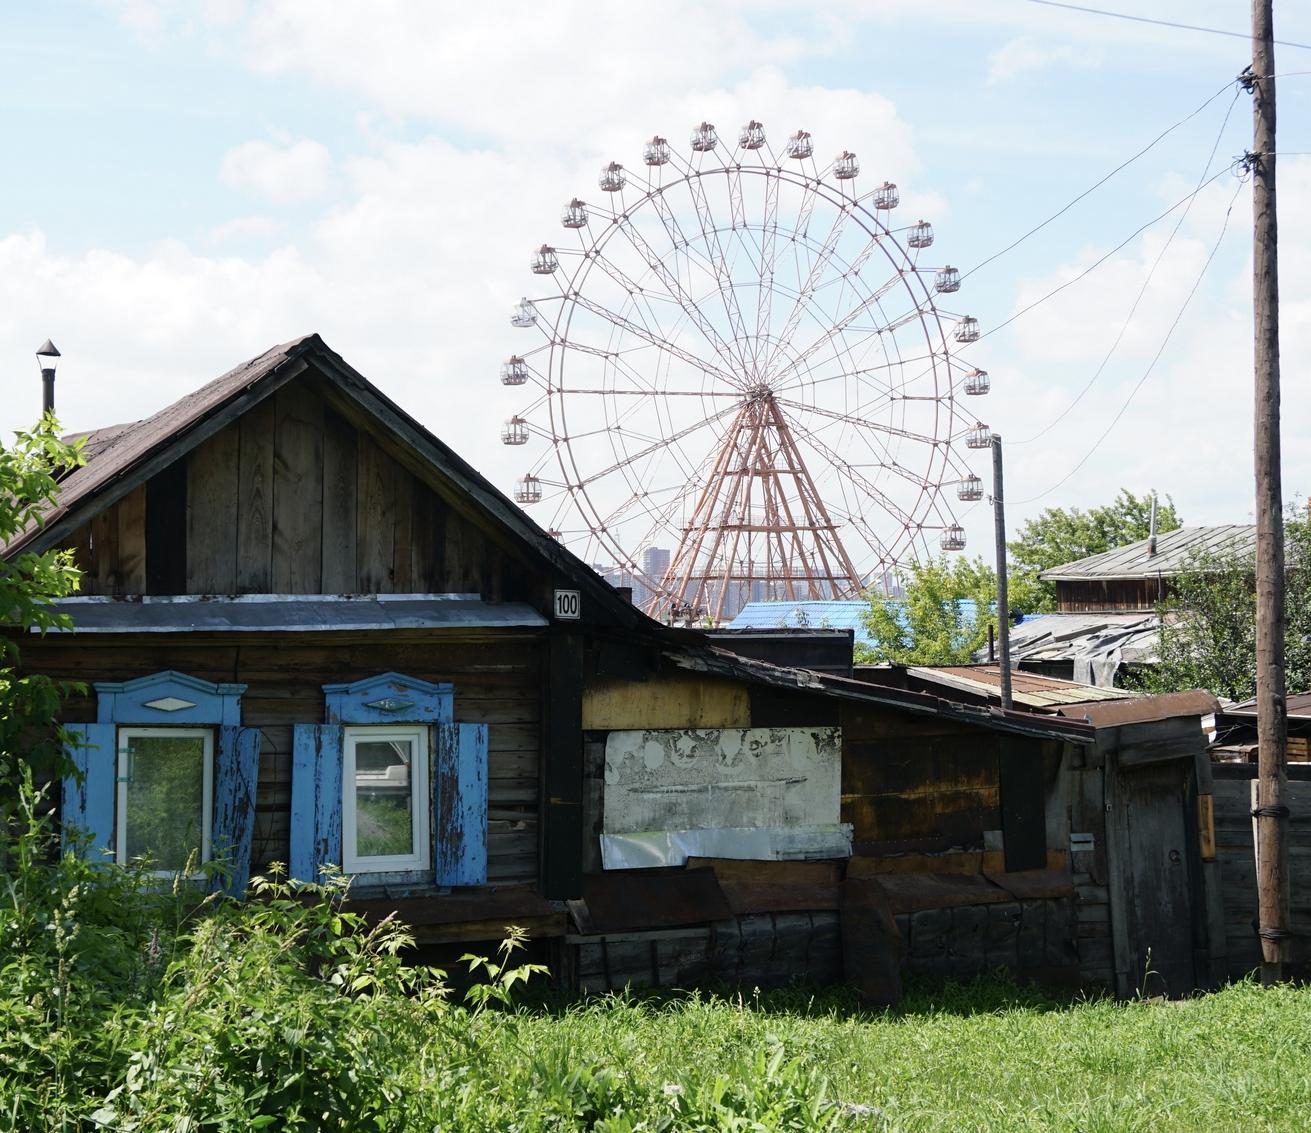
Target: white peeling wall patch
(732, 778)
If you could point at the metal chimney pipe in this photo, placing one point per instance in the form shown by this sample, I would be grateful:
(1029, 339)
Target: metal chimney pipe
(1151, 528)
(46, 354)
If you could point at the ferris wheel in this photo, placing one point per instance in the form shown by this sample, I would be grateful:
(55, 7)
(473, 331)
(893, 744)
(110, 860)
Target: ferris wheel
(738, 380)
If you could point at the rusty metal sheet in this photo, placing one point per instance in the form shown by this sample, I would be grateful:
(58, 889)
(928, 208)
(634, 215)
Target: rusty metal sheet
(1030, 690)
(628, 900)
(1145, 709)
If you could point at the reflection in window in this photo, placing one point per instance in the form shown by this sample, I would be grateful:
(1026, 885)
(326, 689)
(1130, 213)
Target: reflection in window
(385, 810)
(164, 802)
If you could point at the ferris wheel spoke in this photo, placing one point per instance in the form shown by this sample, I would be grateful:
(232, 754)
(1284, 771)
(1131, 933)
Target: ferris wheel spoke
(768, 242)
(664, 442)
(818, 263)
(719, 267)
(857, 477)
(836, 329)
(679, 294)
(641, 332)
(851, 419)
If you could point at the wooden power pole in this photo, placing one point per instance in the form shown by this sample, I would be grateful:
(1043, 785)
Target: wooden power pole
(1271, 811)
(1003, 602)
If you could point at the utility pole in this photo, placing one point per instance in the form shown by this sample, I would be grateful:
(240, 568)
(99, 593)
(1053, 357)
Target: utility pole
(1271, 812)
(1003, 607)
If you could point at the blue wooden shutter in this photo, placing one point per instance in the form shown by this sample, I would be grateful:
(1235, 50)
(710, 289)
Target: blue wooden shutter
(459, 800)
(316, 756)
(236, 774)
(89, 803)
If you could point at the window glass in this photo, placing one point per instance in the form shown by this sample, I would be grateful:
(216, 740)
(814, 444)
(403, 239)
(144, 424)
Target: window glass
(384, 798)
(163, 815)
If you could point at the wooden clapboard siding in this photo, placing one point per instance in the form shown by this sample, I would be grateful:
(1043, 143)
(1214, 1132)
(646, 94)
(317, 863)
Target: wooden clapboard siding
(212, 515)
(496, 678)
(340, 480)
(255, 499)
(294, 498)
(297, 491)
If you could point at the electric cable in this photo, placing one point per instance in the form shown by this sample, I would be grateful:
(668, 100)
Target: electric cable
(1156, 358)
(1093, 188)
(1161, 23)
(1142, 291)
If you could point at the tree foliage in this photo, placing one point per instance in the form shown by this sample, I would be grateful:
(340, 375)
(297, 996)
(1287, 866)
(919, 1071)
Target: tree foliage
(1062, 535)
(29, 584)
(943, 618)
(1208, 632)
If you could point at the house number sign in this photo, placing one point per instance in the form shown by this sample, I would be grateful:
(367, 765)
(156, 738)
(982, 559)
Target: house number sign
(567, 604)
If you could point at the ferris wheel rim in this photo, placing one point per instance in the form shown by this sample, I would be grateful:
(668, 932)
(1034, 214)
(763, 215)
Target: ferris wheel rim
(929, 511)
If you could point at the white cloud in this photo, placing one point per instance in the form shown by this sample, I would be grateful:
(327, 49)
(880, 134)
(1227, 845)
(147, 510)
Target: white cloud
(244, 228)
(284, 174)
(1025, 55)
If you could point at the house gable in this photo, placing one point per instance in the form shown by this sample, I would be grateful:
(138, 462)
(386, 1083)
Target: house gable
(295, 475)
(292, 498)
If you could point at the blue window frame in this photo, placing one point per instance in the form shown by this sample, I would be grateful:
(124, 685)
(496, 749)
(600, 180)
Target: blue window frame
(447, 795)
(166, 704)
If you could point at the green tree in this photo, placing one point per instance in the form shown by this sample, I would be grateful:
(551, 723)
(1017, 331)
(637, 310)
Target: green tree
(1062, 535)
(29, 585)
(1208, 632)
(935, 624)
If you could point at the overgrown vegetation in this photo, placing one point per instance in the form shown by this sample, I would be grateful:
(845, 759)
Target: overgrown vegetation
(949, 602)
(29, 584)
(1208, 635)
(941, 620)
(125, 1006)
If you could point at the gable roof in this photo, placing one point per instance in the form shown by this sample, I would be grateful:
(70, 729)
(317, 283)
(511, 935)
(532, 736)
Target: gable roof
(122, 457)
(1174, 550)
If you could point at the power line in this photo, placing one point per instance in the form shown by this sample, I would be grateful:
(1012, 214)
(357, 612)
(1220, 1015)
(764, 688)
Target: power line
(1101, 260)
(1093, 188)
(1142, 290)
(1161, 23)
(1156, 358)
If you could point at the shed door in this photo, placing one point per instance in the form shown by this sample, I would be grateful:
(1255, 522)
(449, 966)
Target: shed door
(1157, 873)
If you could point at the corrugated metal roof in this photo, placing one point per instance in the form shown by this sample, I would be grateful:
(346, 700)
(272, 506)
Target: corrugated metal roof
(289, 613)
(1298, 704)
(831, 614)
(1029, 689)
(1063, 637)
(1174, 550)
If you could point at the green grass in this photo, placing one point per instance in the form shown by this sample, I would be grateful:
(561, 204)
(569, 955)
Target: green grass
(125, 1005)
(986, 1056)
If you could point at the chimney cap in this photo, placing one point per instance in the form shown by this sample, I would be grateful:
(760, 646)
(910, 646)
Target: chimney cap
(48, 349)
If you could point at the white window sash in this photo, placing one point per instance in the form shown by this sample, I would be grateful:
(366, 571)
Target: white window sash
(420, 856)
(125, 736)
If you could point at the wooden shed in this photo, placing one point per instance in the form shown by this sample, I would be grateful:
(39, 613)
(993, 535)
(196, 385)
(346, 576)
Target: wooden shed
(313, 634)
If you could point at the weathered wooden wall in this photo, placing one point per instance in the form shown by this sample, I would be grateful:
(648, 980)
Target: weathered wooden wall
(1233, 836)
(291, 499)
(1094, 595)
(496, 679)
(917, 785)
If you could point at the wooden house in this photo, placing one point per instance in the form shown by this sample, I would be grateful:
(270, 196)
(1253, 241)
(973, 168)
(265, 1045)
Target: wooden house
(313, 634)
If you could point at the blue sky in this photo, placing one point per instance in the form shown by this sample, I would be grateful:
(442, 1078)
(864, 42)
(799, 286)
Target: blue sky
(191, 182)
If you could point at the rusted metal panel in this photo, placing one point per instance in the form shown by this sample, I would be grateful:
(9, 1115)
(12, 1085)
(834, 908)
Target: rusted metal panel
(629, 900)
(1028, 689)
(1034, 884)
(1196, 702)
(765, 887)
(670, 702)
